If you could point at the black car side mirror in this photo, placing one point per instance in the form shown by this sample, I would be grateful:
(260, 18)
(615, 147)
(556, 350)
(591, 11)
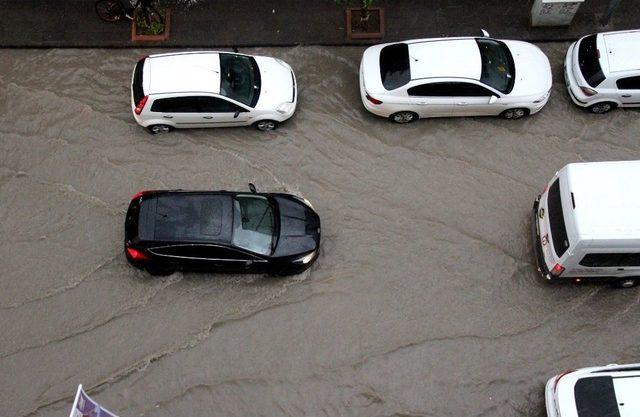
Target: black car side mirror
(236, 114)
(252, 188)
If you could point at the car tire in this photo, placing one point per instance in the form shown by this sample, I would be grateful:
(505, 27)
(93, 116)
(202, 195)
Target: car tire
(514, 114)
(266, 125)
(403, 117)
(602, 108)
(159, 129)
(626, 282)
(160, 270)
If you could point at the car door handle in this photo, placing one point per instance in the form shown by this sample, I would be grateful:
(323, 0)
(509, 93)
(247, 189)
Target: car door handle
(167, 117)
(461, 103)
(626, 95)
(620, 269)
(207, 117)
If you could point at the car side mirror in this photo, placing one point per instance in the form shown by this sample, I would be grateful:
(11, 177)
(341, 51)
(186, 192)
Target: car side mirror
(493, 99)
(485, 33)
(236, 114)
(252, 188)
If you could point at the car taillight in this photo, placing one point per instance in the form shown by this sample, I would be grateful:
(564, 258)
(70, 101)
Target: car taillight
(373, 100)
(138, 195)
(544, 190)
(557, 270)
(137, 255)
(555, 381)
(588, 91)
(141, 104)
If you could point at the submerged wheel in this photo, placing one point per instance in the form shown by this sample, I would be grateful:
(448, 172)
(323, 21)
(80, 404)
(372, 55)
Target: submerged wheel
(266, 125)
(601, 108)
(156, 129)
(403, 117)
(513, 114)
(626, 283)
(109, 10)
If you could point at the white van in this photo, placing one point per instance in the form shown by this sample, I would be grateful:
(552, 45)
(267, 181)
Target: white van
(587, 224)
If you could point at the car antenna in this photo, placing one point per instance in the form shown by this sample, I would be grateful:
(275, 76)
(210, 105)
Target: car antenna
(252, 188)
(235, 49)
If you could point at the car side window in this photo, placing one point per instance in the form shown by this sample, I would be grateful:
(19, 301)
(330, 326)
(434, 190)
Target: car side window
(176, 105)
(218, 105)
(191, 251)
(610, 259)
(449, 89)
(629, 83)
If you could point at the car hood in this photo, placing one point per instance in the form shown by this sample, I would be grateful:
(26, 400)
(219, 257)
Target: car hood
(533, 71)
(299, 227)
(277, 83)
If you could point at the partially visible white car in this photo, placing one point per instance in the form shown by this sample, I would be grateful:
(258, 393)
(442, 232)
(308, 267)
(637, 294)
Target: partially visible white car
(443, 77)
(602, 71)
(211, 89)
(602, 391)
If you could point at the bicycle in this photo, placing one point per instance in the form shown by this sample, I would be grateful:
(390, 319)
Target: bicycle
(114, 11)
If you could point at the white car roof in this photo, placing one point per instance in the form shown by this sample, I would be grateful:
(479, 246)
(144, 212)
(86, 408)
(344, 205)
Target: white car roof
(445, 58)
(622, 50)
(607, 199)
(183, 72)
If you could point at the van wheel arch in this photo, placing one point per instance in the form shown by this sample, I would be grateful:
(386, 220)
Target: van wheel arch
(628, 282)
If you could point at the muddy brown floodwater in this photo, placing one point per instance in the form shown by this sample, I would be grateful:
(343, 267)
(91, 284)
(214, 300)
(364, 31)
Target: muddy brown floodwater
(424, 300)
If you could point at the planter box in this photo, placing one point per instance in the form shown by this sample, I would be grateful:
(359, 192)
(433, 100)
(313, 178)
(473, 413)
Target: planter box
(151, 38)
(372, 28)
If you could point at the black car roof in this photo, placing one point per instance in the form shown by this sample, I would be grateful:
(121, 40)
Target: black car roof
(186, 217)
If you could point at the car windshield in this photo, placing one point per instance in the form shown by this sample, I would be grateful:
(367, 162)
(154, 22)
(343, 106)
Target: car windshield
(239, 78)
(254, 224)
(498, 70)
(394, 66)
(588, 59)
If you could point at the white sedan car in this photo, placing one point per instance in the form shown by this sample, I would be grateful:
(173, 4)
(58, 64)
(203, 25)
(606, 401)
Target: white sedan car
(211, 89)
(602, 71)
(603, 391)
(454, 77)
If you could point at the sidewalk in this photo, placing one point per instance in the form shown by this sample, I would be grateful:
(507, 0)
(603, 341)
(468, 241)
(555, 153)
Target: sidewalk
(223, 23)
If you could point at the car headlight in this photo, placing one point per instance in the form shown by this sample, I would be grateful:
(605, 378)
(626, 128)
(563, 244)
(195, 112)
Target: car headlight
(305, 259)
(285, 108)
(543, 98)
(284, 64)
(305, 201)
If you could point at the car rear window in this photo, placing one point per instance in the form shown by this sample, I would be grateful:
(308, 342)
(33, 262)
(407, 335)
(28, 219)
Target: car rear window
(588, 60)
(138, 90)
(394, 66)
(556, 219)
(596, 397)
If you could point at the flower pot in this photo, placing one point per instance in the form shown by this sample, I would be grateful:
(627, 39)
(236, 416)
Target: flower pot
(137, 36)
(365, 23)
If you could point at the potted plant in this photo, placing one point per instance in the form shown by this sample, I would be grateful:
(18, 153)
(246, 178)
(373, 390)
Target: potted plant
(151, 25)
(365, 22)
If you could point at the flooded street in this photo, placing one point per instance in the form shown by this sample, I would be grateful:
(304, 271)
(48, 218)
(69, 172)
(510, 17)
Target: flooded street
(424, 301)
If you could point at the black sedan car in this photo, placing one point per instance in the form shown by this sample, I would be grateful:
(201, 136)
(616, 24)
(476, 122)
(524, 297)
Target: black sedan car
(221, 231)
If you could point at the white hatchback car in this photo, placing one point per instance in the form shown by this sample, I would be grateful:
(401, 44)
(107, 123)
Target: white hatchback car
(602, 391)
(211, 89)
(602, 71)
(454, 77)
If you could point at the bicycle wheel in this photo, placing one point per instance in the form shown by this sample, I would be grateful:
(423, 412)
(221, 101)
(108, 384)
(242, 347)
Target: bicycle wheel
(109, 10)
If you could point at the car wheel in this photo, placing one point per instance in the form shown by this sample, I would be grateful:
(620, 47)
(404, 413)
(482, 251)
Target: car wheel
(403, 117)
(265, 125)
(601, 108)
(626, 283)
(513, 114)
(160, 270)
(156, 129)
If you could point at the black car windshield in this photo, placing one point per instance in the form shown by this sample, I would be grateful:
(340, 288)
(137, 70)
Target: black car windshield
(498, 70)
(239, 78)
(589, 61)
(254, 224)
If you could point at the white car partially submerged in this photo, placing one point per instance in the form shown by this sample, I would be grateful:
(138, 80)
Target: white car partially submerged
(602, 391)
(471, 76)
(211, 89)
(602, 71)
